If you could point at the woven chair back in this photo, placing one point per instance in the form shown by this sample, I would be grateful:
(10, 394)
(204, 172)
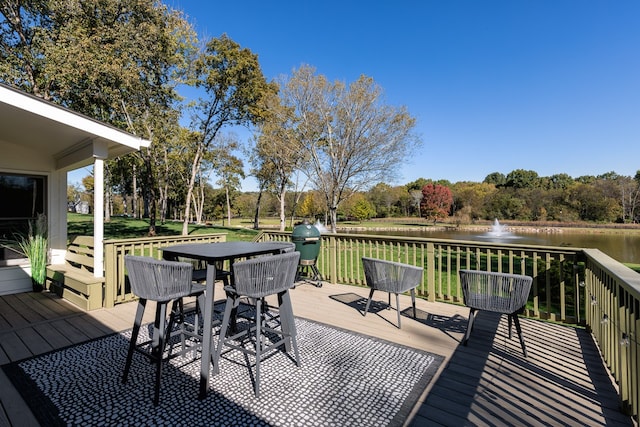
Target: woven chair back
(265, 275)
(498, 292)
(158, 280)
(391, 276)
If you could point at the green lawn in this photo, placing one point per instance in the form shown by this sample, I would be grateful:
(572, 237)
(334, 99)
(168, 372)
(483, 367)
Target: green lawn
(129, 228)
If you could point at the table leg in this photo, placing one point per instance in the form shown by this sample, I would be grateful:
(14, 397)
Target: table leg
(207, 331)
(286, 321)
(233, 323)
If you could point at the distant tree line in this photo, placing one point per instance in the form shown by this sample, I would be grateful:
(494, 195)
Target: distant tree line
(520, 195)
(525, 196)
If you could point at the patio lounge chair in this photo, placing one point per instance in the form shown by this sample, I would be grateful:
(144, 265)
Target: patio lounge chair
(392, 277)
(497, 292)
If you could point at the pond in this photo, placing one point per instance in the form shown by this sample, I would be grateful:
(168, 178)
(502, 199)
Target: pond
(624, 247)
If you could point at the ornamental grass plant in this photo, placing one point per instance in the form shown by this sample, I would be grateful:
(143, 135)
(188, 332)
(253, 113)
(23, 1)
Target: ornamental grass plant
(35, 246)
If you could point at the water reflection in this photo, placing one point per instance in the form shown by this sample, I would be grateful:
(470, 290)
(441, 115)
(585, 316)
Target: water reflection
(624, 247)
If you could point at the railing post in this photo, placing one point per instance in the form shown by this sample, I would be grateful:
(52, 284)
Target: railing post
(431, 272)
(333, 255)
(624, 384)
(110, 278)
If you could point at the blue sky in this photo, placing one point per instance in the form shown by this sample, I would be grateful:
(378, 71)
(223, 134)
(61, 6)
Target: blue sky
(547, 85)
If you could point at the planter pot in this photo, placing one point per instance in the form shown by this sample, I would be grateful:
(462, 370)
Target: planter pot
(37, 287)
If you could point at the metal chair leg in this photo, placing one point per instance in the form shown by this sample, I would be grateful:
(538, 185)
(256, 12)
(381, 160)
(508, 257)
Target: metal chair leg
(366, 309)
(134, 337)
(157, 346)
(397, 308)
(258, 306)
(519, 330)
(472, 314)
(413, 302)
(287, 324)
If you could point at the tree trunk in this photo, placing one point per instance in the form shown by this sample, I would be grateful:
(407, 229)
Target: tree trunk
(107, 205)
(333, 213)
(192, 181)
(226, 191)
(164, 190)
(151, 196)
(134, 196)
(201, 204)
(256, 219)
(198, 202)
(283, 218)
(107, 195)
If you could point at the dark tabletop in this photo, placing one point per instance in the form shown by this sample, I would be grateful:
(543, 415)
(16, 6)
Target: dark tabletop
(223, 250)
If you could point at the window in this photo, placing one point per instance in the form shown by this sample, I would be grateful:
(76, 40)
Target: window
(22, 198)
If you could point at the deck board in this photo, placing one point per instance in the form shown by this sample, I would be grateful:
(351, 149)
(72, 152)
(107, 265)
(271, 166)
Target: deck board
(13, 347)
(48, 308)
(56, 334)
(11, 316)
(26, 310)
(488, 382)
(36, 343)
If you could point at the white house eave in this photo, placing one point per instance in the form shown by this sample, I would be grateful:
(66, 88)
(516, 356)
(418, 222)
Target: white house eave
(67, 117)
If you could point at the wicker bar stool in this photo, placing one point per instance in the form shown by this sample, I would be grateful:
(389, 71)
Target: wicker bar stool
(254, 280)
(164, 282)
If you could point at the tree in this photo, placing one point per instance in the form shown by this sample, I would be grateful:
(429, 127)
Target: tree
(469, 199)
(592, 204)
(312, 205)
(417, 184)
(275, 155)
(634, 214)
(245, 203)
(361, 209)
(349, 136)
(357, 207)
(521, 178)
(629, 193)
(560, 181)
(496, 178)
(504, 204)
(382, 198)
(230, 170)
(88, 184)
(233, 84)
(404, 201)
(436, 201)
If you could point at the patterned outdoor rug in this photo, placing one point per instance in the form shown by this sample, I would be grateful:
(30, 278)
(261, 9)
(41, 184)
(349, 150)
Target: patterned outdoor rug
(344, 379)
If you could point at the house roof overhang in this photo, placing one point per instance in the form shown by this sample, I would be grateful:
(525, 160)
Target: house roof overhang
(72, 139)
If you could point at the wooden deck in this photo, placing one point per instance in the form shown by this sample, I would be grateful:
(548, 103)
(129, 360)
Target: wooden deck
(488, 382)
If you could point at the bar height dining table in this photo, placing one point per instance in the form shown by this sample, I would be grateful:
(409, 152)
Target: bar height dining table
(212, 253)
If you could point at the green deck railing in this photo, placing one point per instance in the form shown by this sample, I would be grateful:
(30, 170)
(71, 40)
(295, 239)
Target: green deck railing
(613, 317)
(555, 294)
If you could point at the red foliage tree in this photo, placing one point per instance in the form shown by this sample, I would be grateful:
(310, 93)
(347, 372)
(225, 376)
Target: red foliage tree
(436, 201)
